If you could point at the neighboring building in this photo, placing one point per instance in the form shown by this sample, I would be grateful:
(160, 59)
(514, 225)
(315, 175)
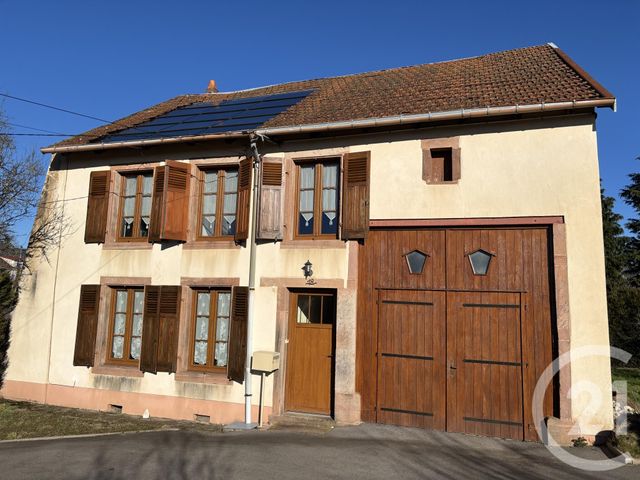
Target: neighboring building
(451, 214)
(11, 263)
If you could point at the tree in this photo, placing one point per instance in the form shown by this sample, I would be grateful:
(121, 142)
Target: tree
(21, 195)
(631, 196)
(615, 243)
(622, 262)
(8, 300)
(623, 300)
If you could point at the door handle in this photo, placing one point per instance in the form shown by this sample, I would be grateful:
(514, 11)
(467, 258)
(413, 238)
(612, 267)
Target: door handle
(452, 366)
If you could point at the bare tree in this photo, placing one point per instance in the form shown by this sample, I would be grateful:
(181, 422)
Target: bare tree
(22, 196)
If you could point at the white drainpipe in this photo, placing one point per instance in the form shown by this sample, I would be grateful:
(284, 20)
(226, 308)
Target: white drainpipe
(252, 282)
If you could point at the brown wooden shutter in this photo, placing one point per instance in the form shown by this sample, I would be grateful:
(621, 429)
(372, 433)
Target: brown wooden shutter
(270, 209)
(244, 199)
(169, 322)
(97, 207)
(150, 321)
(157, 205)
(238, 333)
(170, 204)
(160, 329)
(355, 196)
(87, 325)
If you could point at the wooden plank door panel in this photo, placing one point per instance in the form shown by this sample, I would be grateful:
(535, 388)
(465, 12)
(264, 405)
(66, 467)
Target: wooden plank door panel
(411, 359)
(484, 378)
(505, 267)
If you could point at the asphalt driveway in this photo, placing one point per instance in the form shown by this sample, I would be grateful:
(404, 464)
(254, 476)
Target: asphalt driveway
(367, 452)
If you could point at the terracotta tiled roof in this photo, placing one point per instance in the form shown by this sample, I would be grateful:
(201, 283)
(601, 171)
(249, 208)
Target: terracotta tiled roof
(526, 76)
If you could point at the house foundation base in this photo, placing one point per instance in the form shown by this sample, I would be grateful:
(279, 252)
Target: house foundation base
(161, 406)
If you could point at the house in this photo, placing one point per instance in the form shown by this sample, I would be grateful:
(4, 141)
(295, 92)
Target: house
(11, 263)
(428, 240)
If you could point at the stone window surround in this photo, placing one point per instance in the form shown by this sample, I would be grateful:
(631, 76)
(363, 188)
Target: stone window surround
(452, 143)
(100, 363)
(183, 372)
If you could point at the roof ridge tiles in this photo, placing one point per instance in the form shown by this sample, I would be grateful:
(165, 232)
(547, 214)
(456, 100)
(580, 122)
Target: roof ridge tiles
(373, 72)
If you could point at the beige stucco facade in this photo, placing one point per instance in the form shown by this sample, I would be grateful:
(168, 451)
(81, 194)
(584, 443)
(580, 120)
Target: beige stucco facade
(537, 167)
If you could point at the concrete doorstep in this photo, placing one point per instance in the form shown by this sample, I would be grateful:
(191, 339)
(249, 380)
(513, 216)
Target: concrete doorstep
(302, 423)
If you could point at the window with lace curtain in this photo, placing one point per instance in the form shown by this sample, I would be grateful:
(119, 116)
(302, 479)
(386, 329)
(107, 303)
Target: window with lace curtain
(210, 327)
(135, 206)
(317, 207)
(125, 326)
(218, 203)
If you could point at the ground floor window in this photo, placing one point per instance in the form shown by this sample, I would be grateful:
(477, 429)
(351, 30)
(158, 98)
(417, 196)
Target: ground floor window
(125, 330)
(210, 329)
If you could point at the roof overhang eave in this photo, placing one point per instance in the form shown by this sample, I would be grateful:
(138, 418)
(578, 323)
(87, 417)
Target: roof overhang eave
(351, 124)
(143, 143)
(438, 116)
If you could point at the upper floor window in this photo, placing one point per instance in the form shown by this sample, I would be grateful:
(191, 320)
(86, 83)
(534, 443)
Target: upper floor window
(218, 204)
(125, 331)
(317, 207)
(135, 205)
(209, 342)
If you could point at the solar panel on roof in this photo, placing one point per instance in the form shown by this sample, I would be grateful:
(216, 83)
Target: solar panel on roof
(204, 118)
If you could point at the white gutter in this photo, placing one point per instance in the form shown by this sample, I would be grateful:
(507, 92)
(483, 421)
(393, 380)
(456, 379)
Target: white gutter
(141, 143)
(435, 116)
(352, 124)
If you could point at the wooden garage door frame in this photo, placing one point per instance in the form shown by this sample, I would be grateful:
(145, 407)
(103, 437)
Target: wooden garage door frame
(558, 290)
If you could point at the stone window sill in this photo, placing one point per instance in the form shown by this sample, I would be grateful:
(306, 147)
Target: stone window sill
(117, 371)
(212, 378)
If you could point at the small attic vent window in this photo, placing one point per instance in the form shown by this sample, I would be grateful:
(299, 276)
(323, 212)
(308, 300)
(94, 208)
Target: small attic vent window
(480, 261)
(415, 261)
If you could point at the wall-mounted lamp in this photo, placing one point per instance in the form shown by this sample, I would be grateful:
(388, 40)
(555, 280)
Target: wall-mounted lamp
(307, 269)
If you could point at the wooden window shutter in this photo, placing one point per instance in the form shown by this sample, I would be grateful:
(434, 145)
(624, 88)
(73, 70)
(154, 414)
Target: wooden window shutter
(160, 325)
(87, 325)
(270, 198)
(238, 333)
(157, 202)
(150, 321)
(170, 203)
(244, 199)
(355, 197)
(168, 325)
(97, 207)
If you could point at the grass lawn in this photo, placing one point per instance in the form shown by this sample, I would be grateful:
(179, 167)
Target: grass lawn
(30, 420)
(632, 376)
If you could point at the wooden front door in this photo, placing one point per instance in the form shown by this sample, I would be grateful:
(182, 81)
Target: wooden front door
(310, 352)
(484, 378)
(411, 359)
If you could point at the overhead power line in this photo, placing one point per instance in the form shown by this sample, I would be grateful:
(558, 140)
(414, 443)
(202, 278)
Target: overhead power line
(33, 128)
(36, 134)
(55, 108)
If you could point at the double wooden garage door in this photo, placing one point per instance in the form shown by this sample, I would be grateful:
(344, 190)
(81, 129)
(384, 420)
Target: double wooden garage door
(462, 328)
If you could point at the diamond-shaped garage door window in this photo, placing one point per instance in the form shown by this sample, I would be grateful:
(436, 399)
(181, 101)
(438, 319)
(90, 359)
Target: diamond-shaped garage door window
(415, 261)
(480, 261)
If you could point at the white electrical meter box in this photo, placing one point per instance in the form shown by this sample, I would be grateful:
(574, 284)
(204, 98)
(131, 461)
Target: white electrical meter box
(265, 361)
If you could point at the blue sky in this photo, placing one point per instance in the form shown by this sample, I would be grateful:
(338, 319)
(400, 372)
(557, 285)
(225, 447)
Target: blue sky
(109, 59)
